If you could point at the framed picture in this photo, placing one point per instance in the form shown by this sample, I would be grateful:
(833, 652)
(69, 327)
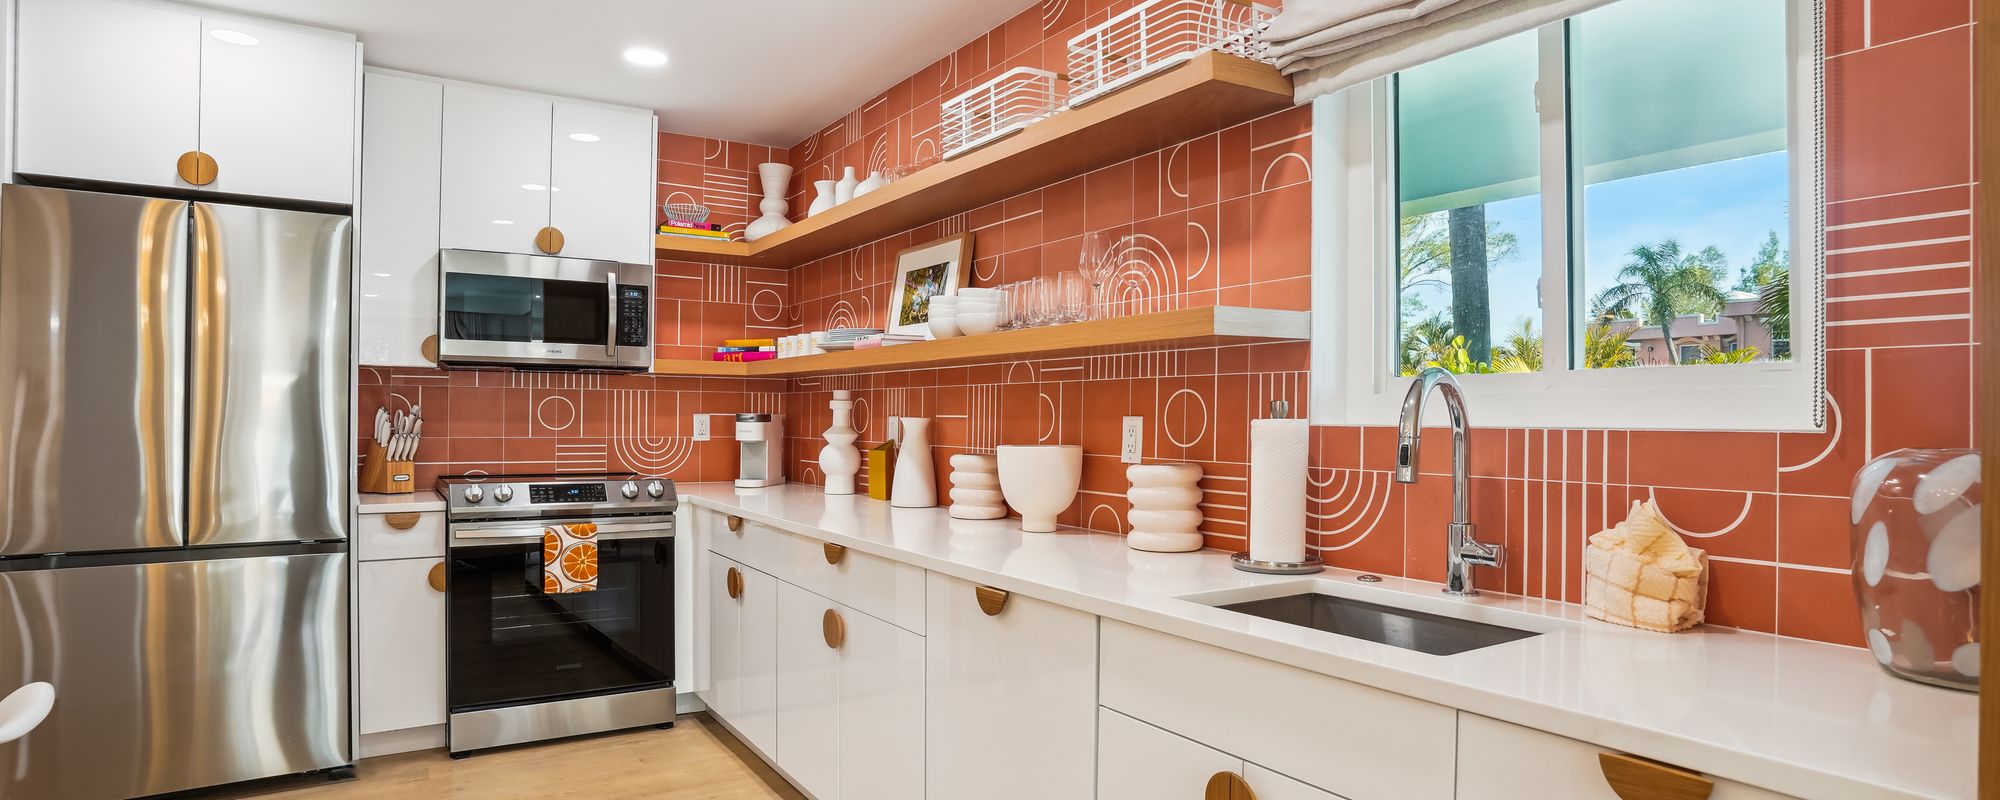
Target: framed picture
(923, 272)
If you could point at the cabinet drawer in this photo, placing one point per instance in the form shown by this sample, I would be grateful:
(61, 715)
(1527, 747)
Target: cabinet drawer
(1387, 747)
(408, 534)
(1136, 761)
(751, 544)
(876, 586)
(1504, 761)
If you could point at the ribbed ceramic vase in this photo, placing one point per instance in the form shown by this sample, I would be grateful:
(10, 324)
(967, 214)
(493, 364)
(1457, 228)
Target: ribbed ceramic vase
(975, 487)
(1916, 564)
(839, 460)
(775, 178)
(1166, 507)
(915, 485)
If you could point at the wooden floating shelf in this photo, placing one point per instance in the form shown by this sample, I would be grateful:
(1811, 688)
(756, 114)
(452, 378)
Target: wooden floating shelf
(1210, 92)
(1193, 327)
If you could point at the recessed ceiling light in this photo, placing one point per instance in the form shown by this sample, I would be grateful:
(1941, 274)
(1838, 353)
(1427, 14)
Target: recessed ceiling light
(583, 137)
(233, 37)
(645, 57)
(503, 222)
(533, 187)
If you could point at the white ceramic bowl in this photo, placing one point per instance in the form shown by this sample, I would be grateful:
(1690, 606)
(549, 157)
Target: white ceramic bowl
(943, 326)
(973, 323)
(974, 291)
(1040, 481)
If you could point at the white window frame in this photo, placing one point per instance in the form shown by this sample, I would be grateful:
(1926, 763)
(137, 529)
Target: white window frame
(1354, 354)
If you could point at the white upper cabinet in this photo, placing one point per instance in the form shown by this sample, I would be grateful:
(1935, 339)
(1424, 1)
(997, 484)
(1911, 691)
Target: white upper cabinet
(603, 198)
(401, 161)
(277, 110)
(109, 90)
(121, 90)
(495, 194)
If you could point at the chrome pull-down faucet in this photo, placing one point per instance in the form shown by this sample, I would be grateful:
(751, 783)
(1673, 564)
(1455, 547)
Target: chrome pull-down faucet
(1464, 551)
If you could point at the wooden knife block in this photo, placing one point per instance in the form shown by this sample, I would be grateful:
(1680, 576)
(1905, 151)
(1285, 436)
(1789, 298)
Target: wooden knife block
(382, 476)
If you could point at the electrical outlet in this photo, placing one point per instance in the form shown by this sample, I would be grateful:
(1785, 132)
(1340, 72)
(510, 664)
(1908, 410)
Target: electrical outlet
(701, 427)
(896, 429)
(1128, 452)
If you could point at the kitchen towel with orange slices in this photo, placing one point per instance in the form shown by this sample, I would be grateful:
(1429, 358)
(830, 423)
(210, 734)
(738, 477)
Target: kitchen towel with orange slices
(569, 558)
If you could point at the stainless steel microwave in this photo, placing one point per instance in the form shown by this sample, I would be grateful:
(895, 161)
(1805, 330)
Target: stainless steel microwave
(524, 310)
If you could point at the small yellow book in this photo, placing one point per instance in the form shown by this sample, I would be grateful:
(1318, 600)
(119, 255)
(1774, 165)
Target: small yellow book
(749, 343)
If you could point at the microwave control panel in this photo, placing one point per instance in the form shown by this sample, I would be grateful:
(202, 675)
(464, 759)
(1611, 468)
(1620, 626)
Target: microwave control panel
(632, 316)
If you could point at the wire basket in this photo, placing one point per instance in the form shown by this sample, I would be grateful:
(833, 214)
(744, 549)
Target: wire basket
(1157, 35)
(1019, 97)
(686, 212)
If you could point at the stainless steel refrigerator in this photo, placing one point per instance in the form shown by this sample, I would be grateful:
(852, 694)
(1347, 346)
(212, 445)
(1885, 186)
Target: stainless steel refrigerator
(174, 400)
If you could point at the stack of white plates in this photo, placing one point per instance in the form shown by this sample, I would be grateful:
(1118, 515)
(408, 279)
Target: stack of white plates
(844, 338)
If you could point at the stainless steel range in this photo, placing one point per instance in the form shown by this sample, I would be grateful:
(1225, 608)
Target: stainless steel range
(528, 658)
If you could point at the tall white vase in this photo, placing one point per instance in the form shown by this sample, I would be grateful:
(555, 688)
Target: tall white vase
(1166, 507)
(839, 460)
(776, 178)
(875, 180)
(844, 190)
(975, 487)
(824, 200)
(916, 482)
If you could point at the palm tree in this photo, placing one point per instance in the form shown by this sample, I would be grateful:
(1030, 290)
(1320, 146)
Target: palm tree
(1664, 282)
(1522, 350)
(1604, 345)
(1425, 342)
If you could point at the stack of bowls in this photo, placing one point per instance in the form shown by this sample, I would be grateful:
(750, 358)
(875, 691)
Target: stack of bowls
(944, 316)
(979, 310)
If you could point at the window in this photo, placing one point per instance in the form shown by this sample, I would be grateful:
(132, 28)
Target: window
(1593, 223)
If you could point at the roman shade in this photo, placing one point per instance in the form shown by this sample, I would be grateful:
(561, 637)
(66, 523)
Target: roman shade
(1328, 45)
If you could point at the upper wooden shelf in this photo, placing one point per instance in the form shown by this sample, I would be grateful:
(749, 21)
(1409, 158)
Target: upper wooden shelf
(1192, 327)
(1209, 92)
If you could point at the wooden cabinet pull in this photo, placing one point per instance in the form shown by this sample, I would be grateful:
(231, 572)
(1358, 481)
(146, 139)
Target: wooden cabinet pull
(991, 600)
(834, 553)
(1634, 778)
(549, 240)
(436, 577)
(429, 348)
(734, 583)
(403, 520)
(833, 629)
(1227, 786)
(197, 167)
(735, 524)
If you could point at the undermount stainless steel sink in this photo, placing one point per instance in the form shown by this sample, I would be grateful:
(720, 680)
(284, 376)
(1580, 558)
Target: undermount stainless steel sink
(1435, 634)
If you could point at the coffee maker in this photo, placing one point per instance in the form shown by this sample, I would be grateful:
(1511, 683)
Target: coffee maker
(760, 450)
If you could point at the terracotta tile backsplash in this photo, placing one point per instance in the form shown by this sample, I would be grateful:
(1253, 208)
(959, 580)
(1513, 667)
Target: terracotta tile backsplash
(1225, 219)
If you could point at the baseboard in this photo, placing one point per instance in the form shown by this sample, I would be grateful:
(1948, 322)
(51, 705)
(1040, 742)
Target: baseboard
(386, 743)
(689, 703)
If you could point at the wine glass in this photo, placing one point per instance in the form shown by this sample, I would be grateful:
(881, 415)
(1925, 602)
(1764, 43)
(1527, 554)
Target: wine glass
(1096, 263)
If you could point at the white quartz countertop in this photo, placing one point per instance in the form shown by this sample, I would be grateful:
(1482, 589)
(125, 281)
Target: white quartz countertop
(1804, 718)
(424, 500)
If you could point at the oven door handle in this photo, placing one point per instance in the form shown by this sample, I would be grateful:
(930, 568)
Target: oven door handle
(611, 313)
(656, 528)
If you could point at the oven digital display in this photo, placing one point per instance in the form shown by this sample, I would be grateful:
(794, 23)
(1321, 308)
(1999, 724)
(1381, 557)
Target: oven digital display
(566, 492)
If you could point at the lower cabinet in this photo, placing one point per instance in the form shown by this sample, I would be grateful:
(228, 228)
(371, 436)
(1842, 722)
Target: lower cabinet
(808, 693)
(743, 659)
(401, 624)
(881, 711)
(1136, 761)
(1011, 691)
(1503, 761)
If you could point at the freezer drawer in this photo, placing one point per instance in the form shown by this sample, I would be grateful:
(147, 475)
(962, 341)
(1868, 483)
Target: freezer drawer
(173, 676)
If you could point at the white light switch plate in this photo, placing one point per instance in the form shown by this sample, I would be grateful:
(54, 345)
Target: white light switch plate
(1128, 452)
(701, 427)
(896, 429)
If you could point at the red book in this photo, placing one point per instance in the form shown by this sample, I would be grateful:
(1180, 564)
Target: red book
(743, 357)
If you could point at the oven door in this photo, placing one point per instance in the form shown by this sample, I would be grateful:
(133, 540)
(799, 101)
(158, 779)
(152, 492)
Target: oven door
(508, 643)
(514, 309)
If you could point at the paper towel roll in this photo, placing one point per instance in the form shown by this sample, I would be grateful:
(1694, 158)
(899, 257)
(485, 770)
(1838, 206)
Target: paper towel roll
(1278, 489)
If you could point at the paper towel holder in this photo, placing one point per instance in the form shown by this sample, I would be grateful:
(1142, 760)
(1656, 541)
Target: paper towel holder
(1279, 409)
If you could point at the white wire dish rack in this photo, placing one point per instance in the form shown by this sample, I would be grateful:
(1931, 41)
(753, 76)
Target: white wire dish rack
(1019, 97)
(1157, 35)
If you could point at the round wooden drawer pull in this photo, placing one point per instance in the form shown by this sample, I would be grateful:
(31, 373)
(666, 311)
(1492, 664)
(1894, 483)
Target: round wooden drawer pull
(735, 524)
(991, 600)
(1634, 778)
(403, 520)
(834, 553)
(549, 240)
(833, 629)
(197, 167)
(1227, 786)
(436, 577)
(429, 348)
(734, 583)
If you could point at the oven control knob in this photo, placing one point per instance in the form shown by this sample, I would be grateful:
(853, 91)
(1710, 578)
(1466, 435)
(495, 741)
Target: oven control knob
(503, 493)
(630, 489)
(474, 494)
(655, 489)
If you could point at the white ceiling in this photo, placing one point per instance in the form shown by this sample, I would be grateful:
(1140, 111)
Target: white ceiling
(762, 71)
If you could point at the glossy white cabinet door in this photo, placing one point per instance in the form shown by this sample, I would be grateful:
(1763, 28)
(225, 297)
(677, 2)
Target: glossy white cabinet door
(401, 165)
(881, 710)
(278, 114)
(1271, 786)
(1011, 699)
(107, 90)
(401, 634)
(808, 694)
(495, 190)
(756, 696)
(1136, 761)
(725, 635)
(1503, 761)
(602, 166)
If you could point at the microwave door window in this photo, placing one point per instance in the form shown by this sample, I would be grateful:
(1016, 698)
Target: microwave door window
(500, 308)
(576, 312)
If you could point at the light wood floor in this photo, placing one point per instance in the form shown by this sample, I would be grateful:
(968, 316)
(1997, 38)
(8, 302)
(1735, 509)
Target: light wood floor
(695, 760)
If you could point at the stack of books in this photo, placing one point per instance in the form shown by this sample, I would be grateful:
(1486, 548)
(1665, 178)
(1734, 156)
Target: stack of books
(694, 230)
(888, 340)
(746, 350)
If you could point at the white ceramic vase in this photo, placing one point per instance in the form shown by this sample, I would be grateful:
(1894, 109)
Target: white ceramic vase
(839, 460)
(1040, 481)
(975, 487)
(843, 191)
(822, 201)
(915, 485)
(1166, 507)
(776, 178)
(875, 180)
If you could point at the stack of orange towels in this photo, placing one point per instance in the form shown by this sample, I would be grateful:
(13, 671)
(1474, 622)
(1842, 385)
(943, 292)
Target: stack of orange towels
(1642, 574)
